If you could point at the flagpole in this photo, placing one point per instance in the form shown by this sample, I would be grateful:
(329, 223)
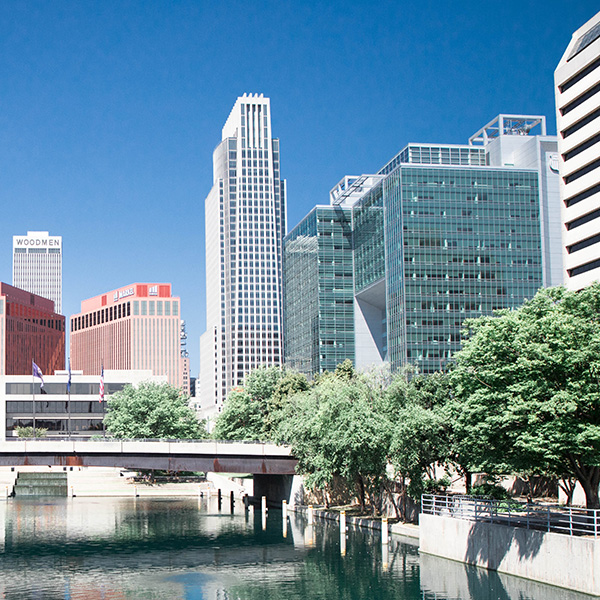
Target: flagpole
(69, 399)
(102, 399)
(69, 403)
(33, 388)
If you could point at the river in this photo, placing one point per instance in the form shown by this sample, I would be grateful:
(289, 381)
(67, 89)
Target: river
(122, 548)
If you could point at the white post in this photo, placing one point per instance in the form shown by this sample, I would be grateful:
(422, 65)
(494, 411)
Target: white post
(284, 509)
(264, 504)
(384, 531)
(385, 557)
(310, 514)
(343, 522)
(135, 491)
(72, 495)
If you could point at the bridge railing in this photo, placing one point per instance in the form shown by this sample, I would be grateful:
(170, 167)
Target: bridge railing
(83, 438)
(542, 517)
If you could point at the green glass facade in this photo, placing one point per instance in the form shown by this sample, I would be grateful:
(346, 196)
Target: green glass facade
(369, 254)
(460, 243)
(319, 291)
(429, 246)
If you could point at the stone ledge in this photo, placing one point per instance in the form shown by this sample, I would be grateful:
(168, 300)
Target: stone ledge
(405, 529)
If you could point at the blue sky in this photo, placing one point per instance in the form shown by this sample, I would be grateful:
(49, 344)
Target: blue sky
(110, 111)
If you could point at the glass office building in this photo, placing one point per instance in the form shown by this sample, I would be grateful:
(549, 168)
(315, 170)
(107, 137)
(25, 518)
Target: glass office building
(319, 291)
(245, 224)
(460, 243)
(446, 233)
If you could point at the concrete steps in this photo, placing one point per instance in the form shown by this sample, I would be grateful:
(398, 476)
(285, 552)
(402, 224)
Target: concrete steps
(44, 483)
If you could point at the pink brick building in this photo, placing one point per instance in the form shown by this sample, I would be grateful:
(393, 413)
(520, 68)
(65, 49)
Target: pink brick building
(134, 327)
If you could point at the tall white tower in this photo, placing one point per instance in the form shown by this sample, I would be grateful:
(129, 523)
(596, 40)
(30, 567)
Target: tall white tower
(245, 221)
(577, 92)
(37, 265)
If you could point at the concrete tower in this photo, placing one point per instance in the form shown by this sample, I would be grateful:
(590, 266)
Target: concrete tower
(577, 81)
(37, 265)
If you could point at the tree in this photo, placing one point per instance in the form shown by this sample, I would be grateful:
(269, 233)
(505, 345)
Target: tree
(420, 431)
(242, 418)
(152, 410)
(253, 412)
(527, 389)
(335, 430)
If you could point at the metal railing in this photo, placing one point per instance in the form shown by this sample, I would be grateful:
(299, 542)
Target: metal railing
(541, 517)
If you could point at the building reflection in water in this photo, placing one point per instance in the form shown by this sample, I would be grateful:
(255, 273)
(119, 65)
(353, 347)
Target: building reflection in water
(182, 549)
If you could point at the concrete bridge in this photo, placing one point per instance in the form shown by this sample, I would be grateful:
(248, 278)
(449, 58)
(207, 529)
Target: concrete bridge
(272, 466)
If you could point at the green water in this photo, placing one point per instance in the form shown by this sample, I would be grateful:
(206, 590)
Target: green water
(114, 549)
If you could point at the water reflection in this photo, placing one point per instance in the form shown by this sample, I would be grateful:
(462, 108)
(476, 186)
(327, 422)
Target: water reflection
(188, 549)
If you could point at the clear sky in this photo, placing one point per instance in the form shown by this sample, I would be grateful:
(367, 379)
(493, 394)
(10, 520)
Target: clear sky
(110, 111)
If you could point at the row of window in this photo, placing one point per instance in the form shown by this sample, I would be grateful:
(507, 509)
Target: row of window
(149, 308)
(77, 388)
(24, 407)
(57, 425)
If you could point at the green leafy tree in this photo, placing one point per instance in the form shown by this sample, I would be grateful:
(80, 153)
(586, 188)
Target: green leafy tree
(527, 389)
(291, 383)
(420, 430)
(242, 418)
(152, 410)
(253, 412)
(335, 430)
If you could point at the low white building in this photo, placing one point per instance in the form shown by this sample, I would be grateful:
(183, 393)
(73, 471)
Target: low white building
(79, 413)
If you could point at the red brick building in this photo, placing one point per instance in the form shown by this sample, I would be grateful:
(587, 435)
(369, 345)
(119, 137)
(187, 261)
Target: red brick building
(29, 330)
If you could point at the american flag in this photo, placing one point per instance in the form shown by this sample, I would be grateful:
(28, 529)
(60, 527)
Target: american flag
(101, 385)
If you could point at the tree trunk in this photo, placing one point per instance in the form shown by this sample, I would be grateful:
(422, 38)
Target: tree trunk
(589, 478)
(567, 485)
(388, 488)
(361, 493)
(468, 481)
(591, 493)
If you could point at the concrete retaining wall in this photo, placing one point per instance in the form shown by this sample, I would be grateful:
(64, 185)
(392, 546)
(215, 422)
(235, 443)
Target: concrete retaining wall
(562, 560)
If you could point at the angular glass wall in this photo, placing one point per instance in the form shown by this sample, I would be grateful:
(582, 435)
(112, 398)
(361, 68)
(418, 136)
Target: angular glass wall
(318, 291)
(369, 247)
(460, 243)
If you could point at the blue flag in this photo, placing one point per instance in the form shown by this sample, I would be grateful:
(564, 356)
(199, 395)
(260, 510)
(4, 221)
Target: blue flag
(69, 380)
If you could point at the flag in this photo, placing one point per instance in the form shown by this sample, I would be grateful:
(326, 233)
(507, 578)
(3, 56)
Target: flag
(37, 372)
(69, 380)
(102, 384)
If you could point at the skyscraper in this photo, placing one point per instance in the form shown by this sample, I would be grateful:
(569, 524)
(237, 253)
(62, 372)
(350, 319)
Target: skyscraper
(37, 265)
(245, 214)
(440, 234)
(577, 92)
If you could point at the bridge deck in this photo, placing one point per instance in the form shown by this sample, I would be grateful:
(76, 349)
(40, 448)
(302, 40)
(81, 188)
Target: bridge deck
(207, 456)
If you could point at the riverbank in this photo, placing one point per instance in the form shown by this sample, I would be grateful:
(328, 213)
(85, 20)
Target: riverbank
(106, 482)
(409, 530)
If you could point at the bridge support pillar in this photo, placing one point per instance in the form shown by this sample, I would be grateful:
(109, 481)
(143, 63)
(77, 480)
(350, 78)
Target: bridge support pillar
(275, 487)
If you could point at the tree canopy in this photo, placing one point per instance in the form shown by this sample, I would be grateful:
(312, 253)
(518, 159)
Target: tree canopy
(254, 411)
(152, 410)
(334, 430)
(527, 389)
